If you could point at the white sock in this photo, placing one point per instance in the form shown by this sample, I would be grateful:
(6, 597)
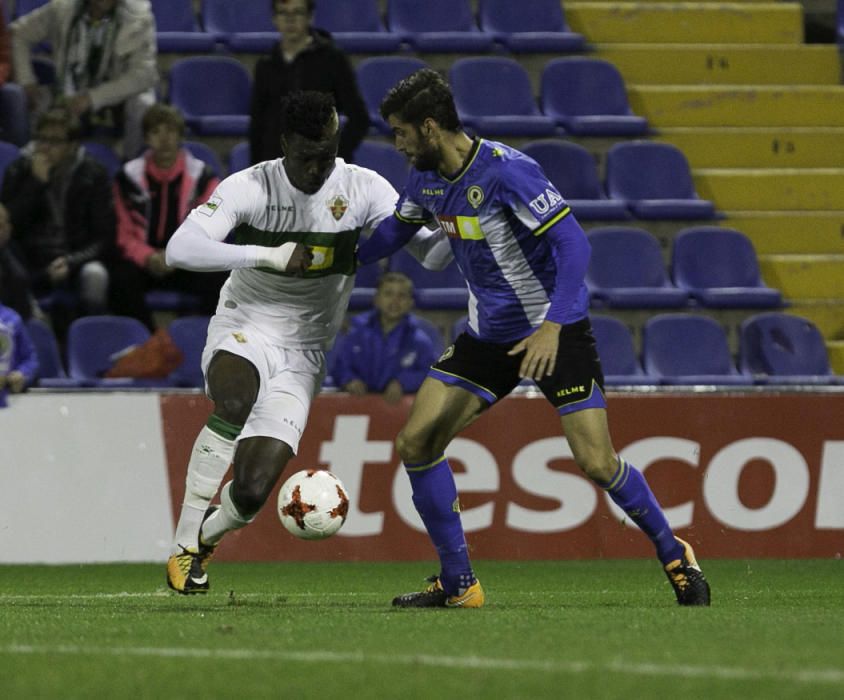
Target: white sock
(208, 464)
(225, 520)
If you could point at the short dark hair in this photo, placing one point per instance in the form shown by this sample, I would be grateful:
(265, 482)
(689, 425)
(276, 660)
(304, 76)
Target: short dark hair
(421, 95)
(159, 114)
(310, 5)
(397, 277)
(307, 113)
(60, 116)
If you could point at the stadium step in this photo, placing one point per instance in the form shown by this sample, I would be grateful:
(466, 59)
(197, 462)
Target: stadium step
(835, 350)
(758, 147)
(726, 106)
(772, 189)
(791, 232)
(687, 23)
(826, 314)
(724, 64)
(805, 276)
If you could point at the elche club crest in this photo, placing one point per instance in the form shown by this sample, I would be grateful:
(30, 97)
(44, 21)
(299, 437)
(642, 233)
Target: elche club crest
(338, 205)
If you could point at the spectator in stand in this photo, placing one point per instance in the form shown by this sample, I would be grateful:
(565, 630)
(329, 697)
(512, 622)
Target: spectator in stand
(14, 280)
(306, 59)
(5, 51)
(386, 351)
(105, 56)
(18, 359)
(153, 194)
(60, 203)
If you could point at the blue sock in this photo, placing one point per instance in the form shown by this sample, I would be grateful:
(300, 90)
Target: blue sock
(632, 494)
(435, 498)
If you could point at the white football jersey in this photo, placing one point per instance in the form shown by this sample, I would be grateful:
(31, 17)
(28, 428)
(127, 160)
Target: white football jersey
(259, 206)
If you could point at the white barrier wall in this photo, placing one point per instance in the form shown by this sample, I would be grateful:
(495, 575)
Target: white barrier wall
(83, 478)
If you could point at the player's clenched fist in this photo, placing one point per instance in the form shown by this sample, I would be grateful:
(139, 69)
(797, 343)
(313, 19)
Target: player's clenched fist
(289, 257)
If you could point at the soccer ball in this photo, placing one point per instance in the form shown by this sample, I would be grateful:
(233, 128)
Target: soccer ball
(313, 504)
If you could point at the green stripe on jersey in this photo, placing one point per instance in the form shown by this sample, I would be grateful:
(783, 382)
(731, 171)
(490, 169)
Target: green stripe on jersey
(548, 224)
(334, 253)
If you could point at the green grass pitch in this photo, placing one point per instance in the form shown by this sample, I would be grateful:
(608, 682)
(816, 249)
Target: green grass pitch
(604, 629)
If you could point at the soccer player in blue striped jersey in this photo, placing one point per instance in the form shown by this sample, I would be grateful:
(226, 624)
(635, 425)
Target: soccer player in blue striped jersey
(524, 257)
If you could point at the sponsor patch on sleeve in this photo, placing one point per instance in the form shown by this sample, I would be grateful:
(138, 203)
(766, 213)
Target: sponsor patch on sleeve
(211, 206)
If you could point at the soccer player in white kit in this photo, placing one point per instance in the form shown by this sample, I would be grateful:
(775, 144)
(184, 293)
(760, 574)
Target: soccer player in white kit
(294, 225)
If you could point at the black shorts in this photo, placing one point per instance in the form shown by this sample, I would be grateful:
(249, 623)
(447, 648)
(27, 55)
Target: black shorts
(489, 372)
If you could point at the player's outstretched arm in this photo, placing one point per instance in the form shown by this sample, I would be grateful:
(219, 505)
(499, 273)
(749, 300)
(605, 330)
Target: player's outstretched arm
(431, 248)
(390, 235)
(192, 248)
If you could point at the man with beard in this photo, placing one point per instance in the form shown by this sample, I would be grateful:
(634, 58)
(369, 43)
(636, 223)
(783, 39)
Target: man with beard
(524, 257)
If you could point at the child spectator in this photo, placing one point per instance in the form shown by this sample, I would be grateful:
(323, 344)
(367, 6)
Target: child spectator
(385, 351)
(18, 360)
(153, 194)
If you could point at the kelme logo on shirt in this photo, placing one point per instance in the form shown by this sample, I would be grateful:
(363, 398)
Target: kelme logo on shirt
(545, 202)
(211, 206)
(338, 205)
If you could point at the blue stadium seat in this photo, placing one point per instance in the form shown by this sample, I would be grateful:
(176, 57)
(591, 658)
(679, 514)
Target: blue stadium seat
(655, 180)
(778, 348)
(24, 7)
(587, 97)
(244, 27)
(442, 26)
(207, 154)
(573, 171)
(377, 75)
(626, 271)
(618, 356)
(93, 344)
(221, 111)
(8, 153)
(494, 97)
(688, 349)
(461, 325)
(189, 334)
(719, 268)
(104, 155)
(441, 289)
(240, 157)
(366, 280)
(430, 329)
(14, 115)
(355, 26)
(177, 28)
(840, 23)
(50, 364)
(526, 27)
(171, 300)
(384, 160)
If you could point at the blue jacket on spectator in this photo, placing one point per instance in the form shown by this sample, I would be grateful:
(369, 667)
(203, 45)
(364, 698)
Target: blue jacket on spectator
(405, 353)
(17, 353)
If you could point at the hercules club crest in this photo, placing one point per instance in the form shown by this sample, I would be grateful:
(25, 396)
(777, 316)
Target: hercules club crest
(337, 205)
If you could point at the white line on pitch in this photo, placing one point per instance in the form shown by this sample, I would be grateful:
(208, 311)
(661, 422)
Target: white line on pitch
(835, 676)
(219, 597)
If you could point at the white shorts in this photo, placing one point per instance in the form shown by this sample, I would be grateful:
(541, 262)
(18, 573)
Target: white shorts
(289, 379)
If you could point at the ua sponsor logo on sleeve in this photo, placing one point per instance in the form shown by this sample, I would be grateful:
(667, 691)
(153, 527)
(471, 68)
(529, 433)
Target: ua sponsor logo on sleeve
(545, 202)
